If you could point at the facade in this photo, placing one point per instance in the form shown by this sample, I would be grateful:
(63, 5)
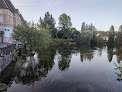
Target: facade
(9, 17)
(105, 36)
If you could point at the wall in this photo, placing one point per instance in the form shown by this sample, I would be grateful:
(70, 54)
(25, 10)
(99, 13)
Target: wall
(105, 38)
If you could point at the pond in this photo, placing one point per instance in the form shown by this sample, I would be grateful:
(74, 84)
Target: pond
(69, 69)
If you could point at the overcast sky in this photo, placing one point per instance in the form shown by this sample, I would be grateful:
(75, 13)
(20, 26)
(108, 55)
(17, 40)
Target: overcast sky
(102, 13)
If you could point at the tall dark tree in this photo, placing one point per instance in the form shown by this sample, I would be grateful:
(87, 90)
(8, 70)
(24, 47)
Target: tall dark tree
(119, 37)
(111, 36)
(83, 27)
(48, 23)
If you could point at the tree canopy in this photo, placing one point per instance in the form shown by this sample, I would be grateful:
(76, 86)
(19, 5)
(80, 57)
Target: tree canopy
(48, 23)
(65, 26)
(111, 36)
(31, 36)
(119, 37)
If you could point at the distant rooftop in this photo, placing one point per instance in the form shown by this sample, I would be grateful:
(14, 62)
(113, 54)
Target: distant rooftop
(105, 34)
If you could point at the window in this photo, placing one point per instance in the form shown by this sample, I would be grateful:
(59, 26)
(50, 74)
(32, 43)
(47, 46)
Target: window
(1, 11)
(1, 18)
(11, 21)
(1, 28)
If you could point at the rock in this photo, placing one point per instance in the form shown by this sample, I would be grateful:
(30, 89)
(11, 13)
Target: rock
(33, 53)
(3, 87)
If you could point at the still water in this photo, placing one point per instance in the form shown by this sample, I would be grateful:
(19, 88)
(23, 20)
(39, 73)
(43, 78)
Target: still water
(76, 69)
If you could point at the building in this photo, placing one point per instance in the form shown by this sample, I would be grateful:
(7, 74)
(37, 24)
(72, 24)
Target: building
(105, 36)
(9, 17)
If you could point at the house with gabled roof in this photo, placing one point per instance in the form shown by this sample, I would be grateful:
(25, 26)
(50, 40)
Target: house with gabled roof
(105, 36)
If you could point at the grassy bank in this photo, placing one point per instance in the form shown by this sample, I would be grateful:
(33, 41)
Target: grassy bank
(63, 42)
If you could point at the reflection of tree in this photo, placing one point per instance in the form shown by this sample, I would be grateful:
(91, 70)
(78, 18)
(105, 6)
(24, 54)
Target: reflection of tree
(99, 51)
(86, 53)
(110, 53)
(36, 68)
(119, 63)
(119, 67)
(119, 54)
(118, 59)
(65, 59)
(8, 76)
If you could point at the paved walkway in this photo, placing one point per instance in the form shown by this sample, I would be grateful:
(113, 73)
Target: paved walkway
(2, 45)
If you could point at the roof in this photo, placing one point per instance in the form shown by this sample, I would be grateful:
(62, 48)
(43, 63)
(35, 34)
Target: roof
(7, 4)
(22, 19)
(105, 35)
(2, 4)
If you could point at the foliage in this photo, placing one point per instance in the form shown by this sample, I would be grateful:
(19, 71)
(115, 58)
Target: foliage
(62, 42)
(48, 23)
(111, 36)
(65, 26)
(100, 32)
(110, 53)
(83, 27)
(119, 37)
(85, 37)
(31, 36)
(15, 53)
(87, 27)
(100, 41)
(75, 34)
(64, 60)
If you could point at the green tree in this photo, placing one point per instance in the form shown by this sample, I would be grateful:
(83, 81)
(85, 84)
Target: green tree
(111, 36)
(85, 37)
(48, 23)
(83, 27)
(31, 36)
(65, 26)
(119, 37)
(75, 34)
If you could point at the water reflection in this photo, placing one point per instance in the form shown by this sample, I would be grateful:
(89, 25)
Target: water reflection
(36, 67)
(79, 77)
(110, 53)
(64, 60)
(86, 53)
(119, 64)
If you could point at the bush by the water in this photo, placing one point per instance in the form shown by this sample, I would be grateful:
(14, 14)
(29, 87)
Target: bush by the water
(63, 42)
(100, 41)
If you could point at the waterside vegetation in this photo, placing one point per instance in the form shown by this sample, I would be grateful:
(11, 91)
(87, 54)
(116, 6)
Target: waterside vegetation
(44, 34)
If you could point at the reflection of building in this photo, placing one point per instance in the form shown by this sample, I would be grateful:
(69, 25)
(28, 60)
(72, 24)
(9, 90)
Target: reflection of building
(9, 17)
